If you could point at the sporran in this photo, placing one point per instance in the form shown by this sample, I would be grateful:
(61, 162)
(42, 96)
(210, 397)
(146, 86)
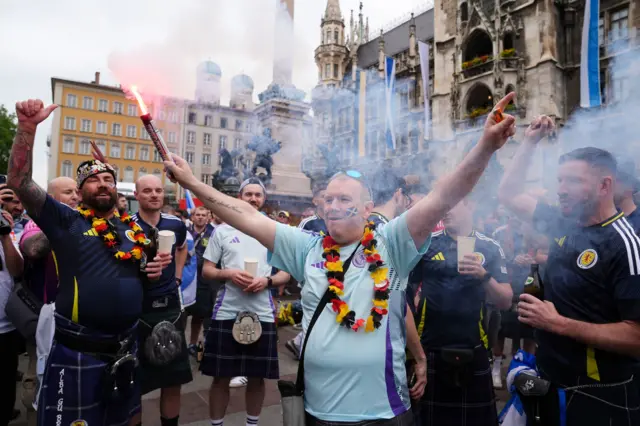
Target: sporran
(247, 328)
(164, 344)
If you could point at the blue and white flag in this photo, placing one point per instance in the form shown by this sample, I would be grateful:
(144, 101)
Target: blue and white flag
(590, 57)
(390, 83)
(189, 201)
(189, 274)
(423, 48)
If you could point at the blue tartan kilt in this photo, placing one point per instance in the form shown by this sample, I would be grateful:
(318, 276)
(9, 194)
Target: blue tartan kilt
(74, 386)
(472, 404)
(224, 357)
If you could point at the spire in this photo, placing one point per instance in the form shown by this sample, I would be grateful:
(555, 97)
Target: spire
(332, 12)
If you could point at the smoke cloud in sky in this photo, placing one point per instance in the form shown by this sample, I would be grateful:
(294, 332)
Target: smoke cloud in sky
(240, 31)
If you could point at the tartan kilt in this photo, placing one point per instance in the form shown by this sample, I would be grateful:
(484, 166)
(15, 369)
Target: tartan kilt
(74, 386)
(224, 357)
(177, 372)
(473, 404)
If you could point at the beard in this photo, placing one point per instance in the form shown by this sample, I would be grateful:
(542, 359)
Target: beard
(102, 205)
(584, 209)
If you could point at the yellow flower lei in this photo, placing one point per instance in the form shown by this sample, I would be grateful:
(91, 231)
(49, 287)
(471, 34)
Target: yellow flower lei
(107, 231)
(335, 274)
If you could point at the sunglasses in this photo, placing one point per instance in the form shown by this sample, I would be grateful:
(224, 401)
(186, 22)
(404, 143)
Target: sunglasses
(354, 174)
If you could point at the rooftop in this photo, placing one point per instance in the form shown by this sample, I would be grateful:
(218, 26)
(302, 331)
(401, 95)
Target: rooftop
(396, 40)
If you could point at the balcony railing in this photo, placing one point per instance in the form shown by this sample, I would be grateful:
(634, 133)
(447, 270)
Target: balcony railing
(477, 66)
(477, 117)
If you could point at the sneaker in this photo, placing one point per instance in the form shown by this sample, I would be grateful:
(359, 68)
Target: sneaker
(291, 345)
(496, 373)
(238, 382)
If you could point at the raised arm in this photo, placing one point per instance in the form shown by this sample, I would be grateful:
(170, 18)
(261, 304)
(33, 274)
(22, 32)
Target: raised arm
(19, 175)
(233, 211)
(511, 190)
(450, 190)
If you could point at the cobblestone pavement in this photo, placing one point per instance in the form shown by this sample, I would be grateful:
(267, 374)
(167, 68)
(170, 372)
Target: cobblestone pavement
(195, 395)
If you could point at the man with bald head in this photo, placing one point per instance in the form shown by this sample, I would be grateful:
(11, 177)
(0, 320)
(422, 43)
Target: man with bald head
(161, 302)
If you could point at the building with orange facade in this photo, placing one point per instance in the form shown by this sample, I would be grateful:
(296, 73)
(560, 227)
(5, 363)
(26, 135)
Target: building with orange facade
(102, 113)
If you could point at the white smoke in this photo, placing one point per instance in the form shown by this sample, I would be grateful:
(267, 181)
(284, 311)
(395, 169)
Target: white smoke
(237, 35)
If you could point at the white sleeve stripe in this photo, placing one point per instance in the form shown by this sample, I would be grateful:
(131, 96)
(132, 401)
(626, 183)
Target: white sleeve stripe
(307, 220)
(627, 244)
(635, 242)
(485, 238)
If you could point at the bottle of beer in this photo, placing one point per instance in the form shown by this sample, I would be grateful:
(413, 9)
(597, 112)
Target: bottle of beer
(533, 285)
(199, 351)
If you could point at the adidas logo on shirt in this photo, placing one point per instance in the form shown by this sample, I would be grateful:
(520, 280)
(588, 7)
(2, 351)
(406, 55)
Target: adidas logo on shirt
(235, 240)
(91, 233)
(438, 256)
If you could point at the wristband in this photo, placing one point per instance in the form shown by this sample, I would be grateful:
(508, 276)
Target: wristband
(269, 282)
(487, 277)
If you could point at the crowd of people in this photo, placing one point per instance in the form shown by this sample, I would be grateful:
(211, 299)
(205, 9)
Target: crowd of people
(403, 323)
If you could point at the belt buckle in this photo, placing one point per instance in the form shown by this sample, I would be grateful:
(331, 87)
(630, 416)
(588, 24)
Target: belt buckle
(160, 303)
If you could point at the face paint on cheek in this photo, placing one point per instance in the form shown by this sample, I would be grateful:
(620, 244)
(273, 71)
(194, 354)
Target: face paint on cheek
(352, 212)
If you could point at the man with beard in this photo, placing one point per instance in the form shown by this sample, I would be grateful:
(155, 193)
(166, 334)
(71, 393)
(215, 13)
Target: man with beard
(354, 361)
(122, 204)
(89, 376)
(12, 204)
(162, 303)
(201, 231)
(244, 292)
(41, 278)
(589, 321)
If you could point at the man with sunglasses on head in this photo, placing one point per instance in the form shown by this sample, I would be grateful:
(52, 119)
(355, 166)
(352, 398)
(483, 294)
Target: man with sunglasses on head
(354, 363)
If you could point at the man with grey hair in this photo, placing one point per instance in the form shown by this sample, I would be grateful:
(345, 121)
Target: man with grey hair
(354, 367)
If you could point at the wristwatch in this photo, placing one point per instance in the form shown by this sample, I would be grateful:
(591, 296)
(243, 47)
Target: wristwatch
(487, 277)
(179, 281)
(269, 282)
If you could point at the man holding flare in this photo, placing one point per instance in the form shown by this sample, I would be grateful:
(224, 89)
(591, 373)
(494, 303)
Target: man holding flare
(357, 354)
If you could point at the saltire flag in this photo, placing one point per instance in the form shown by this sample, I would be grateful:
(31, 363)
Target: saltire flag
(390, 83)
(189, 275)
(590, 57)
(189, 201)
(424, 69)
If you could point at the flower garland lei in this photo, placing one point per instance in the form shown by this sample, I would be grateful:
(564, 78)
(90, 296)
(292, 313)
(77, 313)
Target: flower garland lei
(335, 274)
(109, 235)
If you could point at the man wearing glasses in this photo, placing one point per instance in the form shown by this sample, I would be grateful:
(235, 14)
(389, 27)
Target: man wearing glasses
(354, 361)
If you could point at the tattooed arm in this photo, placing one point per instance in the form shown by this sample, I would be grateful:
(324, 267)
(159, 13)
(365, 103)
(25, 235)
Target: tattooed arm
(19, 176)
(237, 213)
(36, 246)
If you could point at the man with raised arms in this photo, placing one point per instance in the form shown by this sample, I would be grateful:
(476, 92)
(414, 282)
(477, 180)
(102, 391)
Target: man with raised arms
(89, 377)
(355, 360)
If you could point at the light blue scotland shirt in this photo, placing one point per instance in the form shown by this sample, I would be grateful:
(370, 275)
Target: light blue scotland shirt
(352, 376)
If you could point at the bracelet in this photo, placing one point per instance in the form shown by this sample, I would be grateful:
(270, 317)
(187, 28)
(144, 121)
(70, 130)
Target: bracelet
(179, 280)
(269, 282)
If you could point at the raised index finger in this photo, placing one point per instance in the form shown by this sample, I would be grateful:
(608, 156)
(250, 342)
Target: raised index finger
(502, 103)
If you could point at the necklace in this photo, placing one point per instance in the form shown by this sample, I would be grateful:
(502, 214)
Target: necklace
(335, 275)
(105, 229)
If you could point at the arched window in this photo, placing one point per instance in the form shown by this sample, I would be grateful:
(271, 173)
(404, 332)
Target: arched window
(128, 174)
(479, 100)
(328, 38)
(507, 42)
(157, 173)
(477, 45)
(142, 172)
(336, 37)
(464, 12)
(66, 169)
